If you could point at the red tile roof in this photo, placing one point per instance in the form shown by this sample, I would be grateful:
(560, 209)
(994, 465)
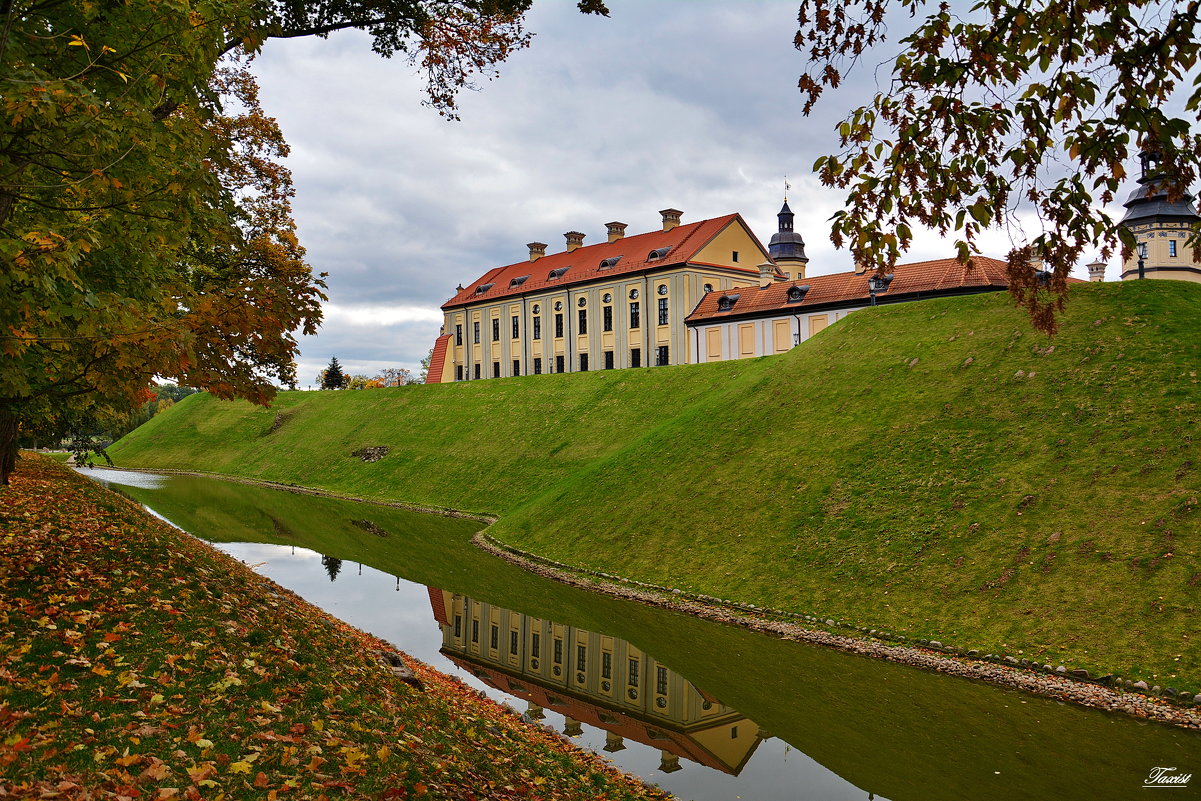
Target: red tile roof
(433, 375)
(920, 279)
(684, 242)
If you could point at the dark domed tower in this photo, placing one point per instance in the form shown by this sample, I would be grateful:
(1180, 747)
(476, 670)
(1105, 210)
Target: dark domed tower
(787, 248)
(1161, 226)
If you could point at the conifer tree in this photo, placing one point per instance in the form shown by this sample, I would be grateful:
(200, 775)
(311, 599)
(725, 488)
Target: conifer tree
(333, 378)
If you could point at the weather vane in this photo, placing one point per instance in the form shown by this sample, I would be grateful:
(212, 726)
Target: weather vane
(787, 186)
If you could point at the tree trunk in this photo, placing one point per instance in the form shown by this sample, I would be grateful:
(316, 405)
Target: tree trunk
(8, 445)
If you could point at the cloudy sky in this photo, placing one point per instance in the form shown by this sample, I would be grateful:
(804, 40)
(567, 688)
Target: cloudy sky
(691, 105)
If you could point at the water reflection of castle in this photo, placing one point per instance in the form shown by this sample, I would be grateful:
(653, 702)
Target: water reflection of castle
(595, 679)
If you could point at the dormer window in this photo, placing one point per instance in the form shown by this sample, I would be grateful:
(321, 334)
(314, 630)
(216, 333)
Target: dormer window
(518, 281)
(658, 253)
(482, 288)
(555, 275)
(726, 302)
(797, 293)
(609, 263)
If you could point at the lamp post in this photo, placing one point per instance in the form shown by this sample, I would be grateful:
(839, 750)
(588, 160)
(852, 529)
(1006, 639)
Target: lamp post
(1141, 273)
(877, 284)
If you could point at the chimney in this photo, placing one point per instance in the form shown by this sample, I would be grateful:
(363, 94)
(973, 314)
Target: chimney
(671, 218)
(537, 250)
(767, 274)
(1096, 271)
(574, 240)
(616, 230)
(860, 268)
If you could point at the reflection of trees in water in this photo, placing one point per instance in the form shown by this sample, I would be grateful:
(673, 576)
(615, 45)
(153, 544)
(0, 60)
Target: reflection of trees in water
(332, 565)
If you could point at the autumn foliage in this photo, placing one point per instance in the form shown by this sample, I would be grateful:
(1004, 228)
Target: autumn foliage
(138, 662)
(999, 114)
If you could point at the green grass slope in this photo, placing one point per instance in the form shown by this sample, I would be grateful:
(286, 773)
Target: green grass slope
(936, 468)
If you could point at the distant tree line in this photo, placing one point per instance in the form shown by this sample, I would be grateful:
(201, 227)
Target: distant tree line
(334, 377)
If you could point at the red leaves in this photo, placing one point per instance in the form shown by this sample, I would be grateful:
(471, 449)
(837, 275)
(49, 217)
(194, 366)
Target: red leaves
(110, 689)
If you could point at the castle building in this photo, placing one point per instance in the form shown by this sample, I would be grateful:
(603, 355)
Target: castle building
(1161, 227)
(743, 323)
(615, 304)
(594, 679)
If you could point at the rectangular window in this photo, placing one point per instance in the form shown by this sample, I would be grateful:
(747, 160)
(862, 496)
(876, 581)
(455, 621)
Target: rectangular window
(535, 645)
(537, 328)
(559, 368)
(458, 626)
(475, 631)
(661, 355)
(662, 311)
(746, 340)
(537, 366)
(635, 316)
(818, 322)
(516, 326)
(459, 334)
(494, 643)
(607, 316)
(633, 672)
(782, 335)
(608, 360)
(583, 362)
(496, 329)
(713, 343)
(606, 665)
(513, 642)
(477, 371)
(516, 367)
(558, 325)
(734, 256)
(583, 322)
(1172, 248)
(661, 680)
(458, 372)
(496, 369)
(635, 357)
(475, 330)
(558, 654)
(581, 657)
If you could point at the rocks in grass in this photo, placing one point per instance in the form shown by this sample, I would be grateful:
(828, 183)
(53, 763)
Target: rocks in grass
(398, 668)
(372, 454)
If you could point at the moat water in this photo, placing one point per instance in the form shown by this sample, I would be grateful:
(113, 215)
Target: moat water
(708, 711)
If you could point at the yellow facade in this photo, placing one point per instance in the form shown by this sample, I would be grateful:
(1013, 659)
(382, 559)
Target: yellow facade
(606, 681)
(633, 319)
(1162, 245)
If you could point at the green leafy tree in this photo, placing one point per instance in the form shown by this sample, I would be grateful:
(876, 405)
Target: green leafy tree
(1000, 108)
(145, 219)
(425, 367)
(332, 376)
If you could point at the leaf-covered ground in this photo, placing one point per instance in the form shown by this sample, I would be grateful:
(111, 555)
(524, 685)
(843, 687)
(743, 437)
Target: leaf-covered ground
(138, 662)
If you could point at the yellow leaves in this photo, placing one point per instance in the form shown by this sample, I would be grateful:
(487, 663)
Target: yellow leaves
(127, 759)
(77, 41)
(383, 753)
(101, 670)
(202, 772)
(241, 766)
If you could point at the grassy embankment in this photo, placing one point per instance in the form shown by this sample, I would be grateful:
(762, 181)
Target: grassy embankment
(139, 662)
(937, 469)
